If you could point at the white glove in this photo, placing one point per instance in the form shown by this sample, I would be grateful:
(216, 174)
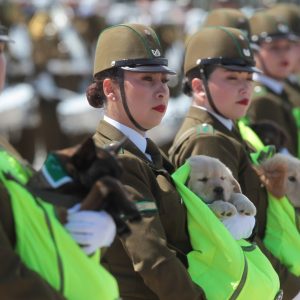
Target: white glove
(297, 297)
(240, 226)
(90, 229)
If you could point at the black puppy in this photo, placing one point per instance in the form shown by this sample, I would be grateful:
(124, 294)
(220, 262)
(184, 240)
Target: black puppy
(270, 134)
(88, 175)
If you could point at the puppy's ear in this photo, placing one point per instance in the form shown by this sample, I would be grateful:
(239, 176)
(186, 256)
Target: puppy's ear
(273, 177)
(85, 154)
(236, 185)
(234, 182)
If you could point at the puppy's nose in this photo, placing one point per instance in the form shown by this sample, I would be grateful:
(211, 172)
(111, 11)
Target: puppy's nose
(218, 190)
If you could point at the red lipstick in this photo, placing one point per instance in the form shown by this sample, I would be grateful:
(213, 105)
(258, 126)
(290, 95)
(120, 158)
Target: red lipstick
(244, 101)
(284, 63)
(160, 108)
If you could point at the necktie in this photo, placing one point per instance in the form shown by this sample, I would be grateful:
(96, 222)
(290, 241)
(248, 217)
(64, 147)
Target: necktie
(153, 151)
(148, 149)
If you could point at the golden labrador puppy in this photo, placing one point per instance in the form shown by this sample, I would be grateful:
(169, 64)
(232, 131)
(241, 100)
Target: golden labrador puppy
(214, 183)
(281, 176)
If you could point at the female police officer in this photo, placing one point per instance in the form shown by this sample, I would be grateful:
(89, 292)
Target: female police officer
(130, 79)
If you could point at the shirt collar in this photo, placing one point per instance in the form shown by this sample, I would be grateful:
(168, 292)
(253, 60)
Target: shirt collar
(135, 137)
(273, 84)
(226, 122)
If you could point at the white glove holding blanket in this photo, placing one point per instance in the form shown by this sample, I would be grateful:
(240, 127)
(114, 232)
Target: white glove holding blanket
(239, 226)
(90, 229)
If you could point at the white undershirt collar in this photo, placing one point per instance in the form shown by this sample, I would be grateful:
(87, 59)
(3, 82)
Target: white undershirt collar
(138, 139)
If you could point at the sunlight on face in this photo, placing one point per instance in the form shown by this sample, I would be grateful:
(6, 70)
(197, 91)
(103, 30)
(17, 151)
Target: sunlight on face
(147, 96)
(231, 92)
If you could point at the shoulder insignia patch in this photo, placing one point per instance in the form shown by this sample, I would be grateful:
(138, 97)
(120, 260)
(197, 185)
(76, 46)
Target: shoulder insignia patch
(145, 206)
(205, 129)
(54, 173)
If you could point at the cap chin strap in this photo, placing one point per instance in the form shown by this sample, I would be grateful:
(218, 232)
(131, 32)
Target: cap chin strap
(124, 102)
(208, 94)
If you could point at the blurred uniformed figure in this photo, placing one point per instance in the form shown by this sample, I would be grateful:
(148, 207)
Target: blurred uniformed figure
(62, 67)
(290, 13)
(273, 53)
(4, 39)
(219, 80)
(228, 17)
(224, 4)
(19, 118)
(19, 105)
(168, 23)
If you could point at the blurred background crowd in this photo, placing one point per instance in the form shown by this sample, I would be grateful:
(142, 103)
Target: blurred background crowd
(43, 106)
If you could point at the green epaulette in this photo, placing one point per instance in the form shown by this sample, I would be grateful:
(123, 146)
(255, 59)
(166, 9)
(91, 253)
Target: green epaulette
(204, 129)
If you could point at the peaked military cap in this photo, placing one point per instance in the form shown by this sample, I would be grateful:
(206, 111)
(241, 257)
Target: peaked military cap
(228, 17)
(132, 47)
(4, 34)
(288, 13)
(266, 27)
(224, 46)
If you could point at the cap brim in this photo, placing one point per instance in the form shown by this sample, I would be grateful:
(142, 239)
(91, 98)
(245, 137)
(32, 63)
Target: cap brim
(242, 68)
(150, 69)
(288, 36)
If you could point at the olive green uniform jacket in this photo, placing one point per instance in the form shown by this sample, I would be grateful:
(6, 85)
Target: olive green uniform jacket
(293, 90)
(16, 280)
(267, 105)
(150, 263)
(229, 147)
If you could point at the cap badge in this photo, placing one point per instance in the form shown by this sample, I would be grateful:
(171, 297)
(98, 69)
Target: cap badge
(155, 52)
(246, 52)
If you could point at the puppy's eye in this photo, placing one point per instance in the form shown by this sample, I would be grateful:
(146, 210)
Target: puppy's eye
(204, 179)
(222, 178)
(292, 178)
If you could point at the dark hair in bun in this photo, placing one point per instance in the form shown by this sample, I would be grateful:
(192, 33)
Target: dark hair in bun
(94, 92)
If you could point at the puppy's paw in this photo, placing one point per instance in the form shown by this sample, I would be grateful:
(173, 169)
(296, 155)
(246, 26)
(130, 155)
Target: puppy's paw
(222, 209)
(243, 205)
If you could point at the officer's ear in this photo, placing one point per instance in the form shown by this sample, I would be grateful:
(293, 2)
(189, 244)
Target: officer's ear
(198, 87)
(109, 89)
